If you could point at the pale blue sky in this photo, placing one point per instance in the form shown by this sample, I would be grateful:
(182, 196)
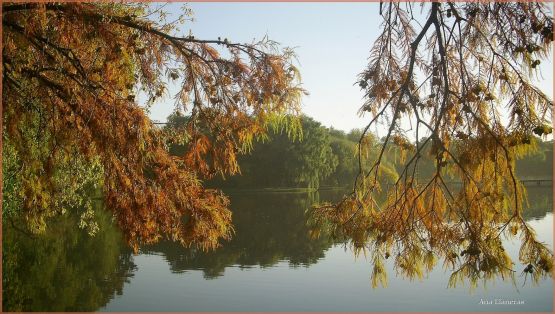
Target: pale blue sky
(332, 42)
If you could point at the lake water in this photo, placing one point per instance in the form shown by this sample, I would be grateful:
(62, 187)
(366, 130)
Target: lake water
(270, 265)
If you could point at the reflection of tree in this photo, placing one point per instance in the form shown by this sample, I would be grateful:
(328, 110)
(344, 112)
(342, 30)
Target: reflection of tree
(64, 269)
(269, 227)
(540, 200)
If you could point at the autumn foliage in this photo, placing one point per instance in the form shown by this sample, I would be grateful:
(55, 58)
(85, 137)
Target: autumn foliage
(453, 84)
(73, 74)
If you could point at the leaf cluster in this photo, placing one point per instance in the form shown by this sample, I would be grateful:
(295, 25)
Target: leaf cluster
(440, 82)
(80, 67)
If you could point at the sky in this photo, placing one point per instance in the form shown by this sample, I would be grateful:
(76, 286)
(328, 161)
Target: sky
(332, 42)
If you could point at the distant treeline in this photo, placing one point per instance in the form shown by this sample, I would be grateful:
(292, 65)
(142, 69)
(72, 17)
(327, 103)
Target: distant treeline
(538, 165)
(322, 157)
(326, 157)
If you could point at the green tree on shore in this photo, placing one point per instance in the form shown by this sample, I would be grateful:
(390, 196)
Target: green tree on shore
(281, 161)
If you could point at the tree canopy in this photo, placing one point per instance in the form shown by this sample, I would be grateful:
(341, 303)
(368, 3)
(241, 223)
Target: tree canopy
(72, 77)
(460, 76)
(280, 161)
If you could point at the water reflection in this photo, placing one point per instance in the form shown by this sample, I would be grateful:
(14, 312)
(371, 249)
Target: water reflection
(269, 227)
(229, 280)
(65, 269)
(541, 202)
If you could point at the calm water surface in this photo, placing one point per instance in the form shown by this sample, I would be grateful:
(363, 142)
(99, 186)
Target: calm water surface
(270, 265)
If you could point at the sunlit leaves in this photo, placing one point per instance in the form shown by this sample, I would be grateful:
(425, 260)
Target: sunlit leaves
(454, 85)
(79, 70)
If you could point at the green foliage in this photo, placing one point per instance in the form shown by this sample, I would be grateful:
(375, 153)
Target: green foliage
(347, 161)
(42, 183)
(346, 147)
(537, 165)
(311, 160)
(322, 157)
(282, 161)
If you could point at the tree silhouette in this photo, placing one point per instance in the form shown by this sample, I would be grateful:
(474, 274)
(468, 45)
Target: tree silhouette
(455, 83)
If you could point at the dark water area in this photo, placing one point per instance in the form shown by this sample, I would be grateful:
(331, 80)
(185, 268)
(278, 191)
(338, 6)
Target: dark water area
(271, 264)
